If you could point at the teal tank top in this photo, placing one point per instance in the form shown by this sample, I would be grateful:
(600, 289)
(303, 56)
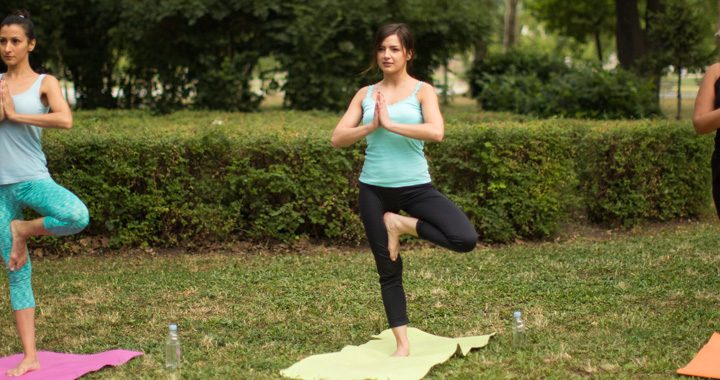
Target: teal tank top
(21, 155)
(392, 160)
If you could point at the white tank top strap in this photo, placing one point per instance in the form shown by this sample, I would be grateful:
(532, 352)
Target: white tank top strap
(417, 87)
(38, 82)
(369, 91)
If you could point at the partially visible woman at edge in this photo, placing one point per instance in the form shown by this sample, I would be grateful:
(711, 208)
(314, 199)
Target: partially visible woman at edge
(396, 116)
(706, 119)
(29, 102)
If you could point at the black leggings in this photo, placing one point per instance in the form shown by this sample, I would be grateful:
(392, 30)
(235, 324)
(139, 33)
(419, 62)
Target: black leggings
(439, 221)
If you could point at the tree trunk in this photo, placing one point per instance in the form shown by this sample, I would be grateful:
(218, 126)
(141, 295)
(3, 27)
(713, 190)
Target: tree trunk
(679, 93)
(510, 24)
(481, 42)
(446, 88)
(653, 6)
(481, 50)
(628, 34)
(598, 46)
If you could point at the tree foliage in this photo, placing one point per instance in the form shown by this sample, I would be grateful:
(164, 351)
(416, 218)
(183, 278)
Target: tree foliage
(579, 20)
(329, 45)
(650, 34)
(682, 34)
(324, 50)
(682, 38)
(544, 85)
(169, 54)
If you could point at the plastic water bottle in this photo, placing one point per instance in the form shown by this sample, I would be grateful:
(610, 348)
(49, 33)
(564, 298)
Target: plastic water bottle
(518, 330)
(172, 350)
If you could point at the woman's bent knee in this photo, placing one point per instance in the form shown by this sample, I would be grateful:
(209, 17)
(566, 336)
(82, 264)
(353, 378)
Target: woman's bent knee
(466, 243)
(81, 219)
(70, 223)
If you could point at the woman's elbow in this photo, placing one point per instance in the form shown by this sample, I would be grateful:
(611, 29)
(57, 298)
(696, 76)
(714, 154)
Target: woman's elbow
(335, 142)
(437, 136)
(66, 123)
(699, 126)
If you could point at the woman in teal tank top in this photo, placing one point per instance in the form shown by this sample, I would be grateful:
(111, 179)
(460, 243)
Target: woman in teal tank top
(396, 116)
(29, 103)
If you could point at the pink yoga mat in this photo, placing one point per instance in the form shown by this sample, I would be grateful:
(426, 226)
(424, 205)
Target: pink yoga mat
(58, 366)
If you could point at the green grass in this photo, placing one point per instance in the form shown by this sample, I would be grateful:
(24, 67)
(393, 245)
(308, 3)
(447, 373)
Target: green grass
(689, 83)
(610, 305)
(668, 106)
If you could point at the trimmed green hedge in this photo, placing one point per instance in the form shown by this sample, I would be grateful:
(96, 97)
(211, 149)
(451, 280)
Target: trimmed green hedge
(200, 178)
(648, 170)
(510, 179)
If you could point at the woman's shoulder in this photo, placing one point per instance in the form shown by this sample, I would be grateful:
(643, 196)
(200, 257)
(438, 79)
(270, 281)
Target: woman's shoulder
(425, 86)
(362, 92)
(49, 80)
(425, 90)
(422, 84)
(713, 70)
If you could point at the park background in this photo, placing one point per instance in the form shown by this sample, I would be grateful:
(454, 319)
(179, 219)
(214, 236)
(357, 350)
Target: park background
(201, 146)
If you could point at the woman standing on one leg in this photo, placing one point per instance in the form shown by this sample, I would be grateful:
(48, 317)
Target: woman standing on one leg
(397, 115)
(29, 102)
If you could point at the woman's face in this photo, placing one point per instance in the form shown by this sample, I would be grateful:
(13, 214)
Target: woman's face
(392, 56)
(14, 44)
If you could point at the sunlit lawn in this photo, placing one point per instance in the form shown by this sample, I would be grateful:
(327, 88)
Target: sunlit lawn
(611, 304)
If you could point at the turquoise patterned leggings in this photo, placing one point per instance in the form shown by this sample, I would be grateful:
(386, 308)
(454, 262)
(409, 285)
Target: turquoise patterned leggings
(64, 214)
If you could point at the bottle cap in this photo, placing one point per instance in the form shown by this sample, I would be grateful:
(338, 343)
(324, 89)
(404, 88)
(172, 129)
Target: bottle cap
(173, 327)
(517, 314)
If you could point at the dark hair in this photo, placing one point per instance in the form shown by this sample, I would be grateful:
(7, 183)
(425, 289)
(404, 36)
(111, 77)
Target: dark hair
(404, 35)
(22, 18)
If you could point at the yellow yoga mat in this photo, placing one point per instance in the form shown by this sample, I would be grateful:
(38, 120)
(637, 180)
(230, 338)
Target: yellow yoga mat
(707, 362)
(372, 360)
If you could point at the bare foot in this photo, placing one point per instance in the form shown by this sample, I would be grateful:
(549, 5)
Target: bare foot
(25, 366)
(18, 252)
(402, 351)
(393, 231)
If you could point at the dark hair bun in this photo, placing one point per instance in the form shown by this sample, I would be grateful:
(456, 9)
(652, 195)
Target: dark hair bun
(20, 17)
(22, 13)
